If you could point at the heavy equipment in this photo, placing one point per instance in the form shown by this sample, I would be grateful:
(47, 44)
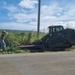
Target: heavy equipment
(58, 38)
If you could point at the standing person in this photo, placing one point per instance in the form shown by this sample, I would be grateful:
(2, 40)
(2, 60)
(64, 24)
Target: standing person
(2, 42)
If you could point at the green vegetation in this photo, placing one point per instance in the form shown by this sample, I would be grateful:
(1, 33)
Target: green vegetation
(16, 38)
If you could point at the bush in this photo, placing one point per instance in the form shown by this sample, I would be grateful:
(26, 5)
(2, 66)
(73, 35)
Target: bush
(13, 40)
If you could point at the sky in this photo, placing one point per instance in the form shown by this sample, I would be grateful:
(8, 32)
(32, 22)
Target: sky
(23, 14)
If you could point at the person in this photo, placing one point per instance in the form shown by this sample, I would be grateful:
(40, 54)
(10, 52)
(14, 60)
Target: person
(2, 42)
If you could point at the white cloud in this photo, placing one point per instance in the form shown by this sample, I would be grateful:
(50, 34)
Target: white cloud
(21, 15)
(11, 9)
(57, 15)
(22, 18)
(51, 9)
(52, 14)
(17, 26)
(28, 3)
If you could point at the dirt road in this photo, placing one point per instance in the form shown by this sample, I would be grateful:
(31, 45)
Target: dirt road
(54, 63)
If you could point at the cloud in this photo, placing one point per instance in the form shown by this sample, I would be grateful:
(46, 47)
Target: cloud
(29, 4)
(51, 9)
(17, 26)
(11, 9)
(57, 14)
(24, 15)
(23, 18)
(19, 13)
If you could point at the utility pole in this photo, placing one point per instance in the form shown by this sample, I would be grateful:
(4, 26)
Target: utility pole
(38, 24)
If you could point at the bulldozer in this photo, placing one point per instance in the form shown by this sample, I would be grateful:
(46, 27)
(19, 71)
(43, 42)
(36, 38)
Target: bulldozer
(57, 38)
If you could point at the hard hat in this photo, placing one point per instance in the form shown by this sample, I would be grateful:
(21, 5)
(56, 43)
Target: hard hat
(4, 31)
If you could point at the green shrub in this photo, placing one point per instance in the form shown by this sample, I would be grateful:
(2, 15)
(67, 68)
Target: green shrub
(13, 40)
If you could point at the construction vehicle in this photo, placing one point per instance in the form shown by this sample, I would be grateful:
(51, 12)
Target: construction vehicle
(58, 38)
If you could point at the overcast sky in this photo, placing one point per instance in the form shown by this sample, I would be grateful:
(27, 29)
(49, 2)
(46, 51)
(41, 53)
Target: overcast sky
(22, 14)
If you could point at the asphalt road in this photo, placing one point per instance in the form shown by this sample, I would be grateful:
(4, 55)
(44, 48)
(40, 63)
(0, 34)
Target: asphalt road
(52, 63)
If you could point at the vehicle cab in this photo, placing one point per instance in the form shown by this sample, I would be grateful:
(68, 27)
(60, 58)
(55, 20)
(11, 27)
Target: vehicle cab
(53, 29)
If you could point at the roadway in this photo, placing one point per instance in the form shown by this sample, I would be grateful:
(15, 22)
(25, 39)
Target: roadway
(47, 63)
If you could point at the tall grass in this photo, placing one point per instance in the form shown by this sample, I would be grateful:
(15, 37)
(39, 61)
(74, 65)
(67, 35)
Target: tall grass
(13, 40)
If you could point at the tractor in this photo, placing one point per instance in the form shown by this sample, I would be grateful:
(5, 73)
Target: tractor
(58, 38)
